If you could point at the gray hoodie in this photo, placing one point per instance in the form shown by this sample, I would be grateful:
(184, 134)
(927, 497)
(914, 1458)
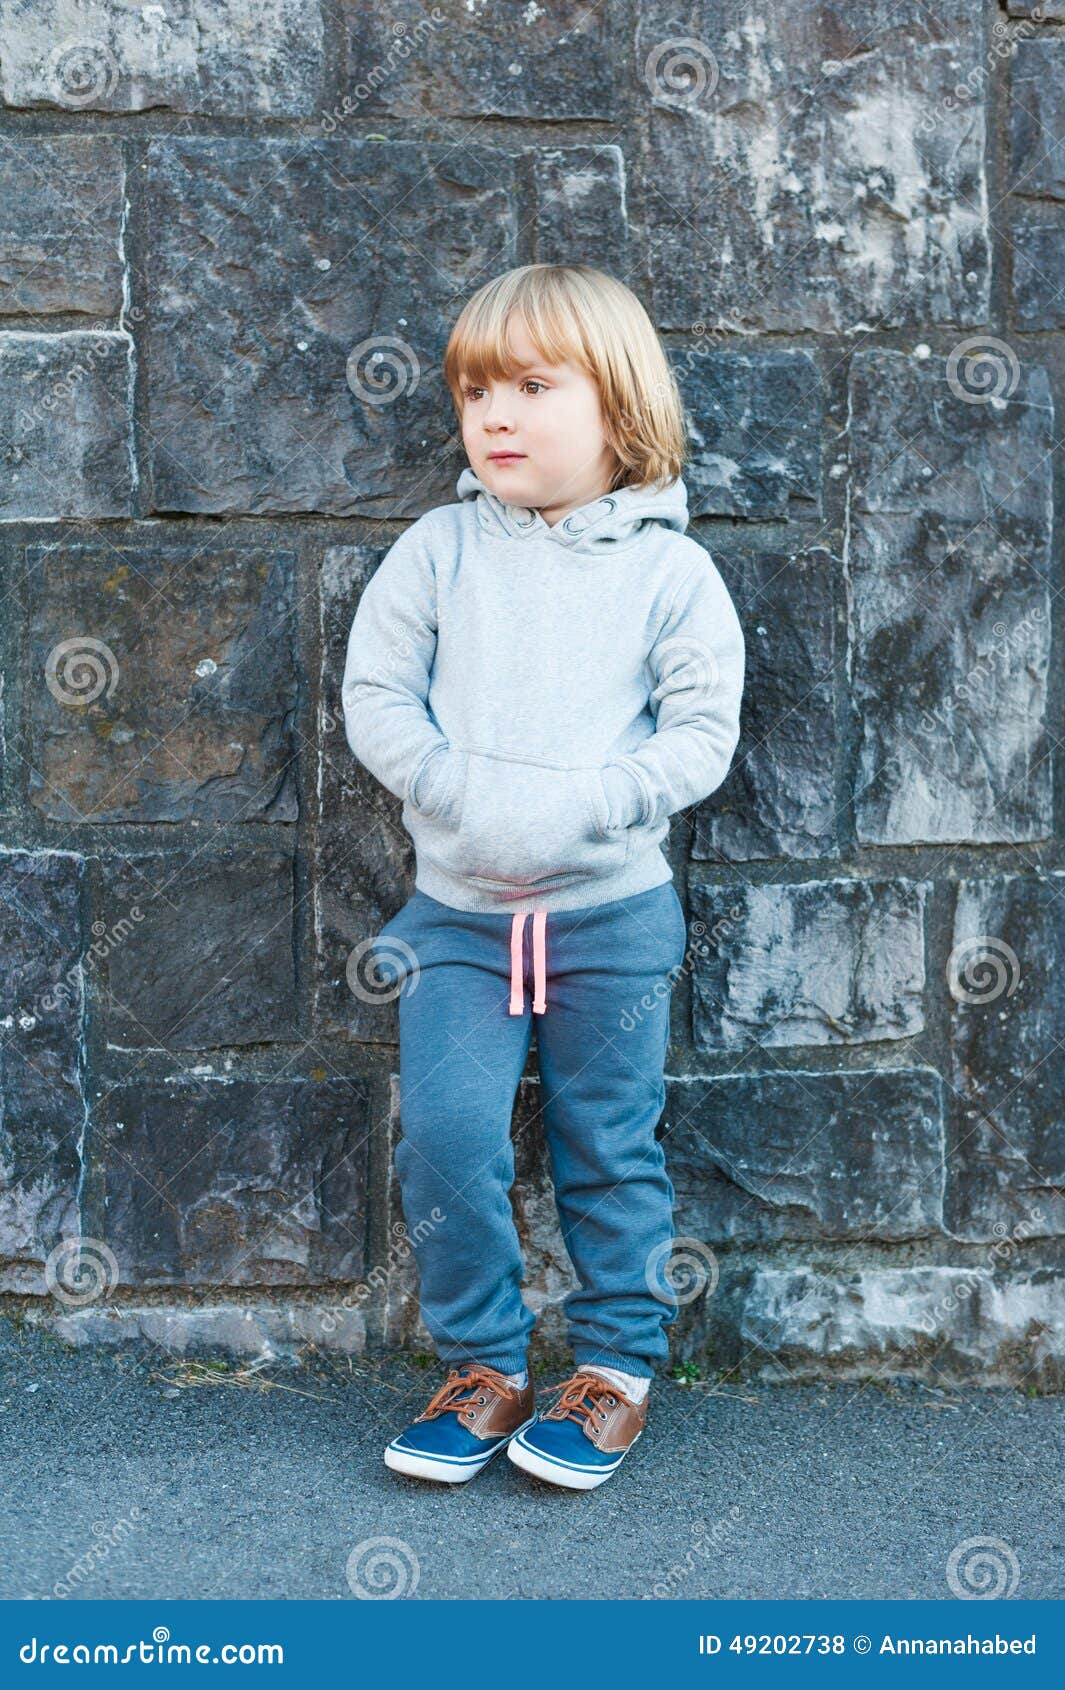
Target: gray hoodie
(543, 699)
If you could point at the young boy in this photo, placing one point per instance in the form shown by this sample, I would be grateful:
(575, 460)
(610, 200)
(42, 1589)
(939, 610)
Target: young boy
(544, 672)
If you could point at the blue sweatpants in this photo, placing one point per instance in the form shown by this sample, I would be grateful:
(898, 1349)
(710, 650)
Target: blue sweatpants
(598, 980)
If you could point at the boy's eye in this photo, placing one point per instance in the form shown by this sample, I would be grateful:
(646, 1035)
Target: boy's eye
(530, 381)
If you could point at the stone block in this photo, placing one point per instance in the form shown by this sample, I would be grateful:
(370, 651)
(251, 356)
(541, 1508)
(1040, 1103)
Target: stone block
(66, 403)
(824, 962)
(42, 1101)
(579, 196)
(254, 1332)
(206, 958)
(779, 797)
(755, 423)
(817, 171)
(208, 1180)
(1037, 118)
(232, 58)
(61, 224)
(788, 1155)
(457, 59)
(1006, 986)
(1037, 252)
(950, 1325)
(365, 860)
(163, 683)
(948, 569)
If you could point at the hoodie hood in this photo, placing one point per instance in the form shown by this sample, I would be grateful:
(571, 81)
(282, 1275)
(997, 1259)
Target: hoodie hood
(600, 526)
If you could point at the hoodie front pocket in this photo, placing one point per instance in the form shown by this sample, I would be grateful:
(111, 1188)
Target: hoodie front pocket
(523, 823)
(437, 792)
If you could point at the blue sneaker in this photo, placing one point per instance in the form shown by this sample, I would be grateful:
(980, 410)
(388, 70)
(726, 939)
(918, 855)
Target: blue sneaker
(473, 1415)
(584, 1438)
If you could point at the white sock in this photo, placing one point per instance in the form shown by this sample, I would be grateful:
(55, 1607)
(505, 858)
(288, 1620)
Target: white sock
(520, 1379)
(634, 1387)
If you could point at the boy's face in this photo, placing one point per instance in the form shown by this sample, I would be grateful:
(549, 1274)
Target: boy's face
(547, 419)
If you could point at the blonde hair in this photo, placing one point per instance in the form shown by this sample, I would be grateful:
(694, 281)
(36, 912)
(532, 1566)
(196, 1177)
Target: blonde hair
(576, 313)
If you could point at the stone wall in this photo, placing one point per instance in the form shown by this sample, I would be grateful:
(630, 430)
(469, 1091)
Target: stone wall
(234, 236)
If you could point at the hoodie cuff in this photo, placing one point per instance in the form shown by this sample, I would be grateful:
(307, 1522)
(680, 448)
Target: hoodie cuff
(624, 795)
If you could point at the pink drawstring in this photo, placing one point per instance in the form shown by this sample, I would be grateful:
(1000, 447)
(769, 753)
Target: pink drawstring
(539, 961)
(517, 926)
(517, 932)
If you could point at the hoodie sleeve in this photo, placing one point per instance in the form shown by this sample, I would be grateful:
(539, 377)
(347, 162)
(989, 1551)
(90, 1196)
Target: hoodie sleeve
(697, 662)
(389, 660)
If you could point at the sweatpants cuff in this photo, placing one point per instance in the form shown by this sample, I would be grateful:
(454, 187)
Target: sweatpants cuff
(515, 1362)
(584, 1354)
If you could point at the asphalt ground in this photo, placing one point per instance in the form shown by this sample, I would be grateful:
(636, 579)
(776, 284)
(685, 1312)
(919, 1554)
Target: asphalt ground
(131, 1475)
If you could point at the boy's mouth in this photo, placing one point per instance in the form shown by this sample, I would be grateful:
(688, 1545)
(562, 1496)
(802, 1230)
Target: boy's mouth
(505, 457)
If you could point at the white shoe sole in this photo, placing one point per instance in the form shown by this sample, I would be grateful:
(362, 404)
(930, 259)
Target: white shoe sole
(571, 1477)
(438, 1468)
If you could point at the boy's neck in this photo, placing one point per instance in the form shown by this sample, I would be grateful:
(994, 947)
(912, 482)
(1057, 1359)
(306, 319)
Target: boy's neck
(553, 514)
